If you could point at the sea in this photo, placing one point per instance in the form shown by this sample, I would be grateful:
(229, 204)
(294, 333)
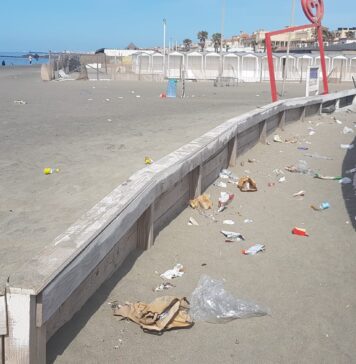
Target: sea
(20, 58)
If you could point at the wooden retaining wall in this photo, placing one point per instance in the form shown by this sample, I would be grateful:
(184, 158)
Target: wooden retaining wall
(46, 292)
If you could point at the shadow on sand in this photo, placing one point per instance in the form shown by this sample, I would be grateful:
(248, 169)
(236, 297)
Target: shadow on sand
(65, 335)
(349, 190)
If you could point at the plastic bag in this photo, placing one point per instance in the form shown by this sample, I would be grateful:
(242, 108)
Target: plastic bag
(211, 303)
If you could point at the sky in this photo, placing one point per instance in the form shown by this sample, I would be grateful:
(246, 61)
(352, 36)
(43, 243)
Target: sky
(85, 25)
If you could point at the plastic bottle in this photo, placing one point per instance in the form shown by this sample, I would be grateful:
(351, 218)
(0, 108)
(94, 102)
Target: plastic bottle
(324, 206)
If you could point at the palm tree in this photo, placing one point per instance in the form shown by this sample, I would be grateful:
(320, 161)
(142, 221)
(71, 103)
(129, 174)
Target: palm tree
(187, 44)
(202, 36)
(216, 38)
(350, 34)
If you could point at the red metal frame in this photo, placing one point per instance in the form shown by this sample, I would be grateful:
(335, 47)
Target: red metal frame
(308, 6)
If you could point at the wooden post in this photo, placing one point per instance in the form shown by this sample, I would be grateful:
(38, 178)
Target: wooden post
(25, 343)
(263, 131)
(195, 183)
(282, 120)
(232, 151)
(302, 117)
(145, 229)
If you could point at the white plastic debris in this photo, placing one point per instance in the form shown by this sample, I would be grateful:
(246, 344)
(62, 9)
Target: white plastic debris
(282, 179)
(277, 139)
(163, 286)
(20, 102)
(177, 271)
(107, 100)
(138, 96)
(353, 170)
(347, 146)
(338, 121)
(220, 184)
(345, 181)
(248, 221)
(299, 194)
(228, 222)
(254, 249)
(347, 130)
(232, 236)
(225, 174)
(225, 198)
(192, 222)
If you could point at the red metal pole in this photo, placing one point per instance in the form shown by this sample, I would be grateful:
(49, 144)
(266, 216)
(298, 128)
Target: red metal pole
(322, 59)
(272, 78)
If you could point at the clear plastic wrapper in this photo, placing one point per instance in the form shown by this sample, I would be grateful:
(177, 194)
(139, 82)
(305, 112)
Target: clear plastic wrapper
(211, 303)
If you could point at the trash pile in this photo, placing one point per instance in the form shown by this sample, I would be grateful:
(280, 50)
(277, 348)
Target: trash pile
(209, 301)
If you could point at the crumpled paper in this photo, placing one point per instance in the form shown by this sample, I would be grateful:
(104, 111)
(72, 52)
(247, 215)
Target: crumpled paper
(164, 313)
(177, 271)
(202, 201)
(247, 184)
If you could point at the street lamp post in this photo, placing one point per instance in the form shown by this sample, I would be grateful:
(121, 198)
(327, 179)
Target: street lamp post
(222, 37)
(164, 47)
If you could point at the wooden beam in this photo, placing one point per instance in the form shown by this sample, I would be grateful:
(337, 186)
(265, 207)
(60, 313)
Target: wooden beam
(232, 151)
(25, 343)
(263, 132)
(195, 183)
(3, 316)
(282, 120)
(145, 229)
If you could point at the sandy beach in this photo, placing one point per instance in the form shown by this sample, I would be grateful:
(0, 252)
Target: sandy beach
(306, 282)
(97, 134)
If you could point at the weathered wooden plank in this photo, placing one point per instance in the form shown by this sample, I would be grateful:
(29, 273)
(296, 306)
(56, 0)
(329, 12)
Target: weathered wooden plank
(171, 213)
(232, 151)
(103, 271)
(195, 179)
(282, 120)
(3, 316)
(170, 197)
(272, 124)
(25, 343)
(145, 229)
(263, 132)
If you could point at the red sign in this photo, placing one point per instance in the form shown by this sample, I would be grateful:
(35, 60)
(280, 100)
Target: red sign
(313, 10)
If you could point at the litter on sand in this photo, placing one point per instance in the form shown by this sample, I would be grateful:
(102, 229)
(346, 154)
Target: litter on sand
(282, 179)
(254, 249)
(277, 139)
(300, 167)
(220, 184)
(347, 130)
(321, 207)
(318, 156)
(353, 170)
(192, 222)
(20, 102)
(164, 313)
(228, 222)
(248, 221)
(225, 198)
(330, 178)
(210, 302)
(226, 174)
(345, 181)
(347, 146)
(148, 160)
(47, 171)
(232, 236)
(299, 194)
(299, 231)
(177, 271)
(247, 184)
(338, 121)
(163, 286)
(202, 201)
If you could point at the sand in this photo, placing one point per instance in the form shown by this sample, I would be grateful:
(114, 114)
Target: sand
(307, 283)
(97, 133)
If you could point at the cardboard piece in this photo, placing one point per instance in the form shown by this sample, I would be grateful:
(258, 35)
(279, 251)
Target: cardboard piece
(164, 313)
(247, 184)
(202, 201)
